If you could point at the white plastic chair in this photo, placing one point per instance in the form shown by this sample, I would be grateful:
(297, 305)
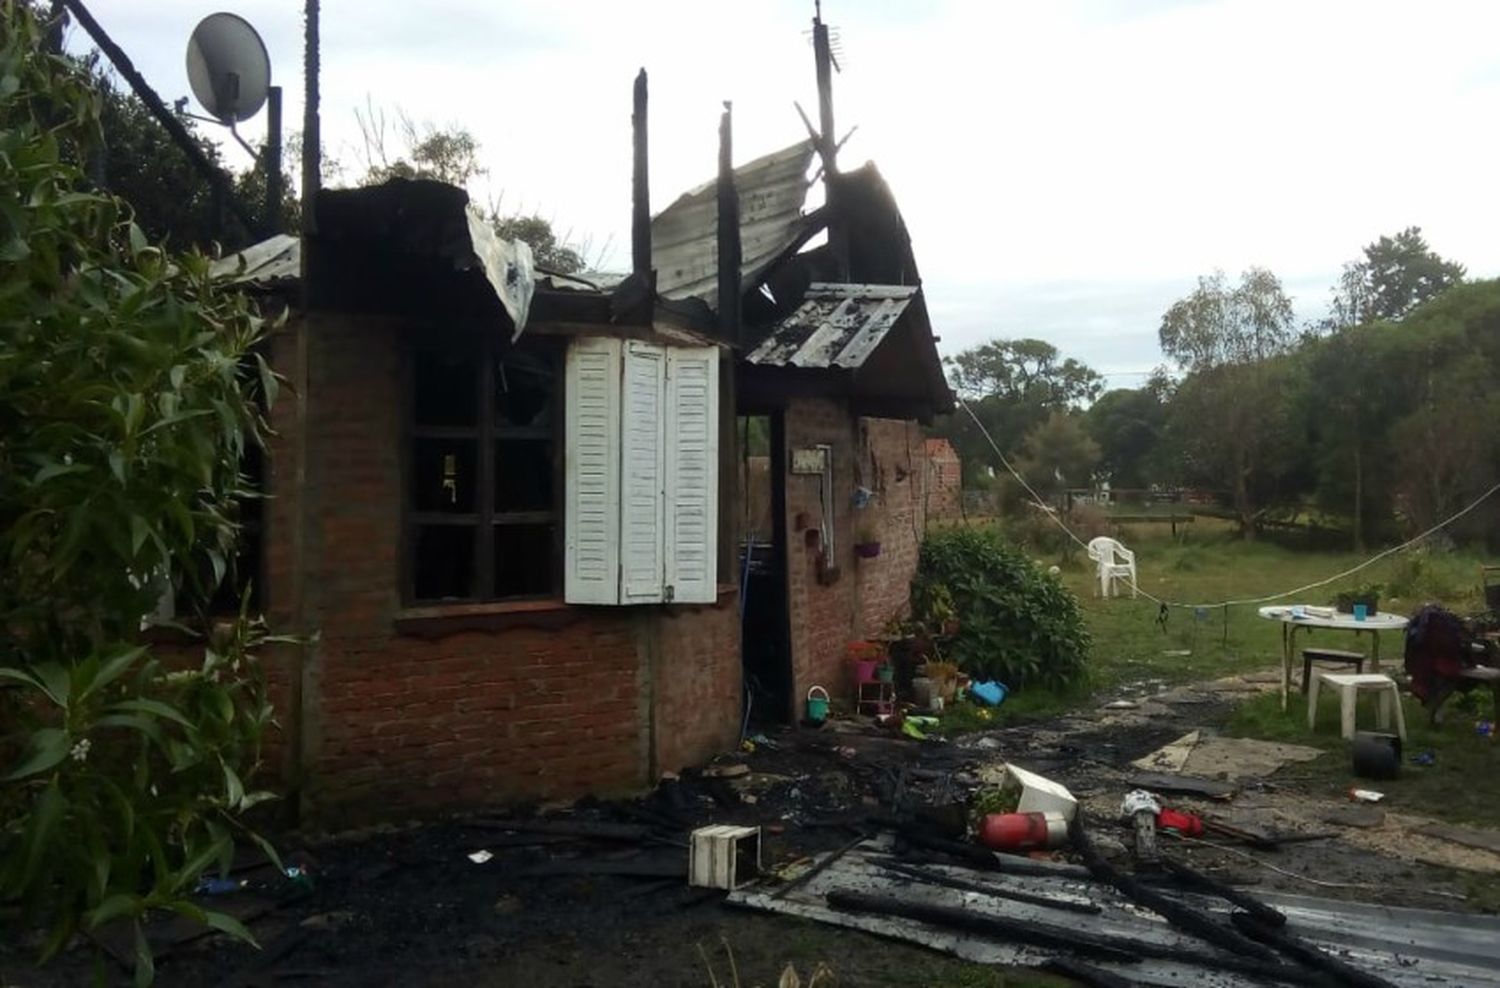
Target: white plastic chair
(1115, 562)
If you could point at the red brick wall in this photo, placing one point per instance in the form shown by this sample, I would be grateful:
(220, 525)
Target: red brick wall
(696, 675)
(883, 456)
(944, 481)
(892, 452)
(397, 722)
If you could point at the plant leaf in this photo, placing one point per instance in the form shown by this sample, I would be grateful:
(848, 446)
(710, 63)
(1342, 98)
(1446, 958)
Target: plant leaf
(234, 789)
(112, 669)
(154, 707)
(47, 748)
(225, 923)
(117, 905)
(145, 964)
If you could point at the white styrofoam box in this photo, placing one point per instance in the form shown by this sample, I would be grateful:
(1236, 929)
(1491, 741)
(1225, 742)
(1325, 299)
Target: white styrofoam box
(724, 856)
(1041, 795)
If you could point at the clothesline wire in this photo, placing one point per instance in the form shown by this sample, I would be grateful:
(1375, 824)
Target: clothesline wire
(1269, 598)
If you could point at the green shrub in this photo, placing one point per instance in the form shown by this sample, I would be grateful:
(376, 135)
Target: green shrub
(1016, 623)
(129, 391)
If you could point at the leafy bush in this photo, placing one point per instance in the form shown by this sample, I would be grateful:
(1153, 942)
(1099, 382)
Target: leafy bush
(1016, 623)
(128, 393)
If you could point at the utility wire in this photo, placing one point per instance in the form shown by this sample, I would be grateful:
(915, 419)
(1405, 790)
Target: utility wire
(1057, 520)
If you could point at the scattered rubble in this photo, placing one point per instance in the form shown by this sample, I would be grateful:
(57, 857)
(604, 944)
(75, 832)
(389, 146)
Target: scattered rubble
(860, 827)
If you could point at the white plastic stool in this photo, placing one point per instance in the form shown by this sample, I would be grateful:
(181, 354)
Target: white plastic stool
(1349, 686)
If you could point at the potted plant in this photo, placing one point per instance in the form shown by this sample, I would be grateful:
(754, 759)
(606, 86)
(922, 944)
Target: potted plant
(1364, 593)
(867, 545)
(867, 657)
(944, 676)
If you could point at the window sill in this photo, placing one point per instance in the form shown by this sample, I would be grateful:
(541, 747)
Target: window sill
(439, 620)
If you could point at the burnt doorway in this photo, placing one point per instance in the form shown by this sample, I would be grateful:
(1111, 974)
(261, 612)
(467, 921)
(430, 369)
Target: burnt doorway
(765, 622)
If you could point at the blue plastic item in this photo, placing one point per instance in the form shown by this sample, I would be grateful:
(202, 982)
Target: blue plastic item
(217, 886)
(989, 693)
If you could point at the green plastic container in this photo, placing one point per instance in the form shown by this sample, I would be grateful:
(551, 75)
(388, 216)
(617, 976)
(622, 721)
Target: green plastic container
(817, 704)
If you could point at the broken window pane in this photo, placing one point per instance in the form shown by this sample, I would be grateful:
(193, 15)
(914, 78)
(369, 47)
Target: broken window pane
(445, 475)
(524, 560)
(446, 386)
(523, 475)
(523, 388)
(443, 563)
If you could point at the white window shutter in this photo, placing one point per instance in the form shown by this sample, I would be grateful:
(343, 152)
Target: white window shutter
(592, 492)
(692, 487)
(642, 473)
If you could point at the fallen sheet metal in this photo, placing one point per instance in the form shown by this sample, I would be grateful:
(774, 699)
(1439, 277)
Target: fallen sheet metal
(1409, 947)
(1224, 758)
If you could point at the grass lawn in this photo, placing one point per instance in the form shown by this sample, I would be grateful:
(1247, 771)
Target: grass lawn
(1209, 565)
(1206, 565)
(1462, 784)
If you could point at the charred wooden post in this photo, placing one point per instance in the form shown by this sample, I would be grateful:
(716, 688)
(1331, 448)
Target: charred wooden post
(838, 235)
(640, 187)
(729, 231)
(312, 146)
(1181, 916)
(823, 59)
(1262, 913)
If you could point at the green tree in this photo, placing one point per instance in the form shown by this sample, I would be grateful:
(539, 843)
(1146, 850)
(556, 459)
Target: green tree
(421, 151)
(1057, 454)
(451, 155)
(1232, 419)
(1012, 387)
(1127, 424)
(550, 252)
(1445, 356)
(1349, 413)
(1396, 275)
(128, 392)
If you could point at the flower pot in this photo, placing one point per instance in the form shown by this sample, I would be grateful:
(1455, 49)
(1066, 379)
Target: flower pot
(864, 671)
(886, 672)
(867, 550)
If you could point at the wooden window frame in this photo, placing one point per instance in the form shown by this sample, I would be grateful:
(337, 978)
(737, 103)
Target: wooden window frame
(488, 350)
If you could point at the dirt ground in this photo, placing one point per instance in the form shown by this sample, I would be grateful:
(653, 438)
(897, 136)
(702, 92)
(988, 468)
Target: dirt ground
(408, 907)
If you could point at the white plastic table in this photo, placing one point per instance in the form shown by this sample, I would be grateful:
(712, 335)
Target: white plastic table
(1294, 618)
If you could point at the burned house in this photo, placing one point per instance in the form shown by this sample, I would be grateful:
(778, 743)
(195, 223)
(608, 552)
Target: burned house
(506, 507)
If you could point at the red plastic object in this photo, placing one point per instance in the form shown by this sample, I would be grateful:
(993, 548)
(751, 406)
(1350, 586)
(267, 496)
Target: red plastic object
(1184, 823)
(1023, 831)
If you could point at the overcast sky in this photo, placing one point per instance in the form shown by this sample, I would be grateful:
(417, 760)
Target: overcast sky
(1066, 170)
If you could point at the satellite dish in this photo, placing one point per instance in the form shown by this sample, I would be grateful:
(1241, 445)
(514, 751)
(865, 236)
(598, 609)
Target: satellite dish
(228, 67)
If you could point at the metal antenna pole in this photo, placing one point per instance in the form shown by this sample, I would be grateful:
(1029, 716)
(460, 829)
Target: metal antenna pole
(271, 161)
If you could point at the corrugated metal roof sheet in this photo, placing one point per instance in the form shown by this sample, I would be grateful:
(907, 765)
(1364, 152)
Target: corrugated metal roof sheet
(684, 236)
(836, 326)
(265, 263)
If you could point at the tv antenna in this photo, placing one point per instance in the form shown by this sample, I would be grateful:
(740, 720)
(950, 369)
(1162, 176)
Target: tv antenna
(229, 71)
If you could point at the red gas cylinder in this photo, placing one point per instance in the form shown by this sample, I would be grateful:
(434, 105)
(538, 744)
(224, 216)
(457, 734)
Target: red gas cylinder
(1184, 823)
(1023, 831)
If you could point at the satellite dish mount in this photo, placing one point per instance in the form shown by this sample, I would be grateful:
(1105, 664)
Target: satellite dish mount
(229, 71)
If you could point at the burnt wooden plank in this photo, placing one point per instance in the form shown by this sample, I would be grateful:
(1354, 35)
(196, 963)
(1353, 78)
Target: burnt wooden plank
(1186, 785)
